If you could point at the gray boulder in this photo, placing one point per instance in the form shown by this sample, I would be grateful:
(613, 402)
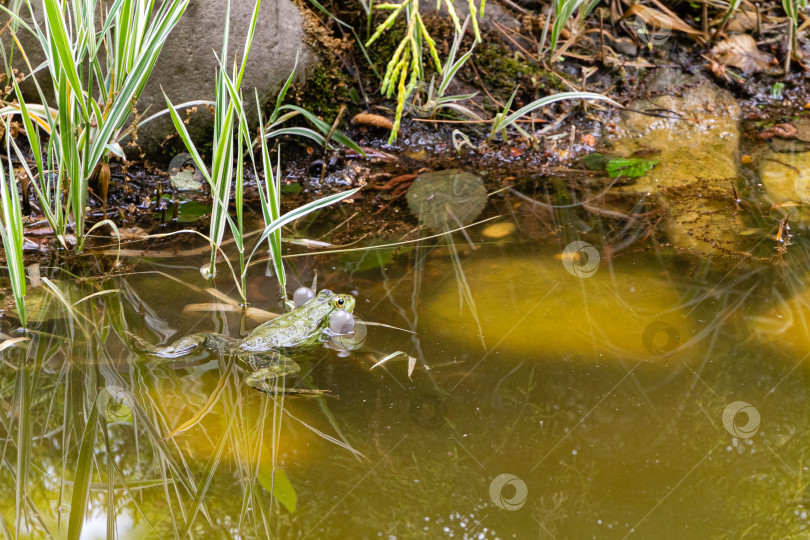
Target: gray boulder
(185, 70)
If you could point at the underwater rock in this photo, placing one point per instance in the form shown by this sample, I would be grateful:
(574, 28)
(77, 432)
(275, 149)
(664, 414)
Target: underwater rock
(536, 308)
(785, 324)
(42, 304)
(693, 131)
(445, 200)
(297, 446)
(785, 176)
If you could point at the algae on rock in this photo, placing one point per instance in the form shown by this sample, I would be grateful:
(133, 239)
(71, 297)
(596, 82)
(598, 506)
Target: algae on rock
(533, 307)
(692, 126)
(785, 176)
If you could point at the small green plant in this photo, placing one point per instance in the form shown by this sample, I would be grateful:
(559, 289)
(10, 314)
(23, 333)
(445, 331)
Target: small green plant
(563, 11)
(405, 70)
(228, 113)
(11, 230)
(435, 98)
(776, 90)
(792, 8)
(270, 198)
(232, 139)
(504, 120)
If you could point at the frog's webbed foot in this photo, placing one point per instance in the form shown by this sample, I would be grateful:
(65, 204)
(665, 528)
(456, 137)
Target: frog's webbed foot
(270, 372)
(181, 347)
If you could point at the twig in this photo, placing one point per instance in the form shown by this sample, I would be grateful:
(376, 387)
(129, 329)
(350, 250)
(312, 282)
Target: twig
(328, 138)
(789, 48)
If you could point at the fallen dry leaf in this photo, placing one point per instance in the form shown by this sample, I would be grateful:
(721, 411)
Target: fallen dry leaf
(661, 22)
(783, 131)
(741, 51)
(742, 21)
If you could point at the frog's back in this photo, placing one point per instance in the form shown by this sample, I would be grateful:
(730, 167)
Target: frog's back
(284, 334)
(298, 329)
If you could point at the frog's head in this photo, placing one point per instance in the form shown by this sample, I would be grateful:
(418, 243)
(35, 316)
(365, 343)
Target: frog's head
(323, 297)
(326, 303)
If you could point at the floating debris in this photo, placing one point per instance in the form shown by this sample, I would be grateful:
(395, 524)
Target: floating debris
(445, 200)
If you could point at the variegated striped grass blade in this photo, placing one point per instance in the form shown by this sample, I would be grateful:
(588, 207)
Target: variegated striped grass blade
(97, 69)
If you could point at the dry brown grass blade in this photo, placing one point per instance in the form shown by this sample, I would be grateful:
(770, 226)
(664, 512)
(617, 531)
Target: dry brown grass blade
(221, 296)
(660, 19)
(255, 314)
(11, 342)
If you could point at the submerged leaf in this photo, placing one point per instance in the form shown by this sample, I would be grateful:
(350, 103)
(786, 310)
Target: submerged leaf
(596, 161)
(446, 200)
(278, 484)
(368, 259)
(292, 187)
(191, 211)
(183, 173)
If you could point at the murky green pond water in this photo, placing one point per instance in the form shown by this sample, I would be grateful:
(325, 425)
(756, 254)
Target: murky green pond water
(554, 396)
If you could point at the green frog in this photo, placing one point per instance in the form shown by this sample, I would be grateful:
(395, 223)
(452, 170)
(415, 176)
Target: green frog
(268, 348)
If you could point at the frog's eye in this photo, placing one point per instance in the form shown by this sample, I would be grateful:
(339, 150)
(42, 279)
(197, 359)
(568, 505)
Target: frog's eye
(339, 302)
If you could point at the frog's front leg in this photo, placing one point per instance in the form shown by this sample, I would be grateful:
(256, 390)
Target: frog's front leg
(185, 345)
(269, 369)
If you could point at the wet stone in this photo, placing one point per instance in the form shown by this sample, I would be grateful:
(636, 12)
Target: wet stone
(535, 308)
(693, 131)
(785, 177)
(782, 323)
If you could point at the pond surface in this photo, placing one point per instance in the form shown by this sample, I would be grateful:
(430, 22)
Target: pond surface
(554, 395)
(623, 366)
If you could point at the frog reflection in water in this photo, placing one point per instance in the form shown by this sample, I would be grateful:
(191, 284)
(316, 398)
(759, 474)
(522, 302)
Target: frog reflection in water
(268, 348)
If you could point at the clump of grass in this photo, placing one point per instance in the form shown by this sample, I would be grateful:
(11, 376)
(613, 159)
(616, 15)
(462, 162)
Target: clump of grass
(232, 138)
(563, 12)
(435, 99)
(504, 119)
(96, 76)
